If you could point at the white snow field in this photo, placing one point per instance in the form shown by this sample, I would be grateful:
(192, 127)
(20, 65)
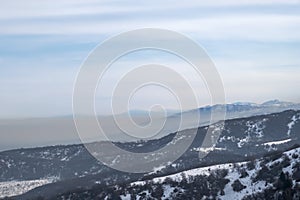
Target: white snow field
(13, 188)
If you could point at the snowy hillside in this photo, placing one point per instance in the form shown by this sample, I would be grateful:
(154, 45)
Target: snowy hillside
(241, 140)
(276, 176)
(245, 178)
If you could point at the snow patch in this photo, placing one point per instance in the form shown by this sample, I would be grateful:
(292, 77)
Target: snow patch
(126, 197)
(254, 129)
(277, 142)
(114, 161)
(13, 188)
(251, 187)
(157, 169)
(193, 172)
(168, 190)
(290, 125)
(208, 149)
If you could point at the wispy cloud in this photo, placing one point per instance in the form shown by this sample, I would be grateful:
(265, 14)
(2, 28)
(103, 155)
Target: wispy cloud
(42, 44)
(34, 8)
(214, 20)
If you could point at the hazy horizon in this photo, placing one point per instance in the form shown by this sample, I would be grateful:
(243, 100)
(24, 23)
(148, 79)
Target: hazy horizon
(170, 111)
(254, 45)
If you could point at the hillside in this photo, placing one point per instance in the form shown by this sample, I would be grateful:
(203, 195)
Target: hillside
(272, 177)
(71, 166)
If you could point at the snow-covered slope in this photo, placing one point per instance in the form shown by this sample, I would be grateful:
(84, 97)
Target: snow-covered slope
(273, 177)
(244, 178)
(13, 188)
(242, 139)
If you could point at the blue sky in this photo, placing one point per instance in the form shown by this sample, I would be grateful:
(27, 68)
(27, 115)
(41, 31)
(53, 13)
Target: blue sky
(254, 44)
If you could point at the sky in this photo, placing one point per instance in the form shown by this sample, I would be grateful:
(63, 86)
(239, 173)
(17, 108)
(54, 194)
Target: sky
(254, 44)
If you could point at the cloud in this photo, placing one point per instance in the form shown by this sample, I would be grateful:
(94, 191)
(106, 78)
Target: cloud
(34, 8)
(41, 9)
(248, 39)
(213, 20)
(235, 27)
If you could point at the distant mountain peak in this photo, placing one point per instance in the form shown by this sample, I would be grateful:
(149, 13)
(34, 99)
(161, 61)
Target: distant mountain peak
(244, 103)
(275, 102)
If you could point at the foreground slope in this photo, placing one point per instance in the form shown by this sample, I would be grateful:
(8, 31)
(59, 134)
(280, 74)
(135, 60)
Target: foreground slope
(272, 177)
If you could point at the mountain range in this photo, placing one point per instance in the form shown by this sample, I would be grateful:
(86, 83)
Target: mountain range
(71, 170)
(33, 132)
